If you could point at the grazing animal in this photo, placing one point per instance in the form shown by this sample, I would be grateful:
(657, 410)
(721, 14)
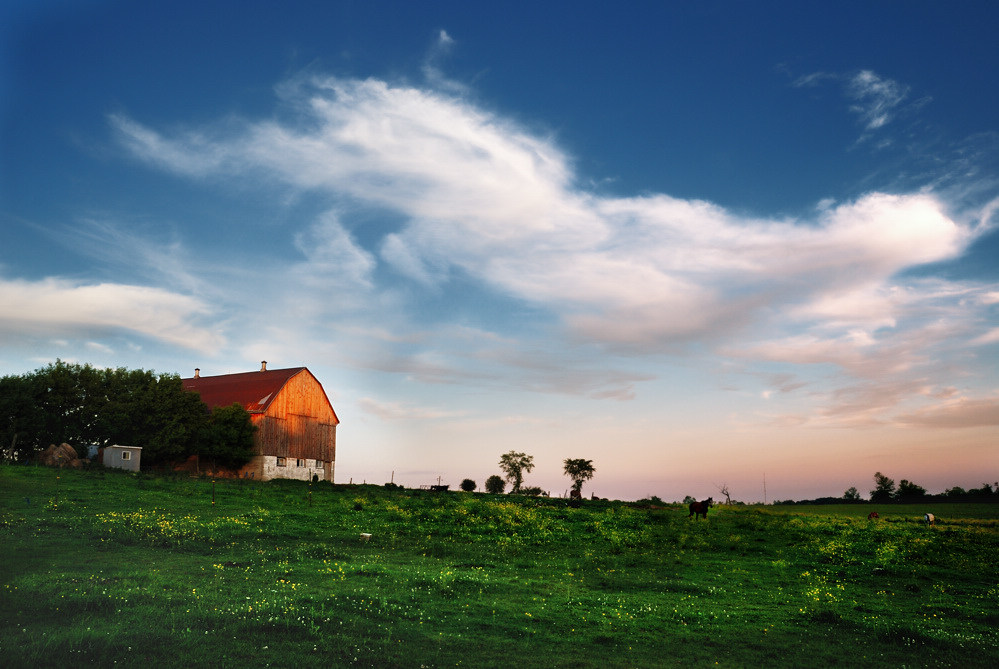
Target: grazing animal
(929, 519)
(698, 509)
(873, 515)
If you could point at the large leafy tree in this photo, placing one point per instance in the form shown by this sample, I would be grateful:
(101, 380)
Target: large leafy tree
(884, 488)
(20, 417)
(82, 405)
(909, 492)
(514, 466)
(579, 470)
(70, 398)
(154, 412)
(228, 441)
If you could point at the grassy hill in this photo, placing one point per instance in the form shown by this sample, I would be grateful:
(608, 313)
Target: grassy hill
(105, 568)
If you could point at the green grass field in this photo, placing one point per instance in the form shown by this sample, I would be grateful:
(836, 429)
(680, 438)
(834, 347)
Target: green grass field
(106, 568)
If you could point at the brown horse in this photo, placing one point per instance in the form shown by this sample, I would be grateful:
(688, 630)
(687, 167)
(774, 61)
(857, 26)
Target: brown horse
(698, 509)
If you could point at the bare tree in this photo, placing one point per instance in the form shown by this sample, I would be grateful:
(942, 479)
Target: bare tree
(723, 489)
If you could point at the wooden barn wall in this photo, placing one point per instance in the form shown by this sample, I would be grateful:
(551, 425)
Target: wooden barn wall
(299, 422)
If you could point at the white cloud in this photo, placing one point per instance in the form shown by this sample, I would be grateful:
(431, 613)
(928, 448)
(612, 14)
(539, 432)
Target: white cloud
(332, 255)
(477, 194)
(399, 411)
(876, 98)
(409, 262)
(99, 347)
(956, 413)
(990, 337)
(432, 64)
(120, 244)
(152, 147)
(70, 308)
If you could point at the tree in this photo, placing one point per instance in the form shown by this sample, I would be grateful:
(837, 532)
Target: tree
(468, 485)
(884, 488)
(852, 494)
(81, 405)
(986, 491)
(154, 412)
(70, 399)
(495, 484)
(514, 466)
(579, 470)
(228, 438)
(723, 489)
(20, 417)
(909, 492)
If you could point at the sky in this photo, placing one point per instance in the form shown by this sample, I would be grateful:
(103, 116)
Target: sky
(704, 245)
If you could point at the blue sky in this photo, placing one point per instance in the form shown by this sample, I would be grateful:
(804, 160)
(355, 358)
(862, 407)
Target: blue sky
(698, 243)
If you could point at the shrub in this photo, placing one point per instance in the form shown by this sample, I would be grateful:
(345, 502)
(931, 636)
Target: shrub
(495, 484)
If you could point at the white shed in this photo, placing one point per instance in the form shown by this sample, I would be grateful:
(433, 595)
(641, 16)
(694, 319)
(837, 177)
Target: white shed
(122, 457)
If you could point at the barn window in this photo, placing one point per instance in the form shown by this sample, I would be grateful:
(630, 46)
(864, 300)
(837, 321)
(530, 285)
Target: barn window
(319, 464)
(300, 462)
(126, 455)
(281, 462)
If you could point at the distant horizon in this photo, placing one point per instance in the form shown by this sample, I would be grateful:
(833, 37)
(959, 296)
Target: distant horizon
(558, 486)
(697, 244)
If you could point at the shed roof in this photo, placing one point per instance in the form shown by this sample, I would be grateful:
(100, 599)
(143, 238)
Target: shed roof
(254, 391)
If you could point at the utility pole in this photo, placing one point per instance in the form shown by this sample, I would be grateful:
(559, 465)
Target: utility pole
(764, 488)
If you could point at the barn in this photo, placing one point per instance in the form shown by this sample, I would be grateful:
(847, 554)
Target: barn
(296, 424)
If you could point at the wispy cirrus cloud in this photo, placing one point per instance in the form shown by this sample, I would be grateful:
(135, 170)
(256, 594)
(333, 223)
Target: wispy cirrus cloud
(398, 411)
(481, 195)
(478, 195)
(150, 145)
(876, 100)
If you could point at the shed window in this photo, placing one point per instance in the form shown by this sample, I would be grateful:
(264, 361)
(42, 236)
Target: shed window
(126, 455)
(281, 462)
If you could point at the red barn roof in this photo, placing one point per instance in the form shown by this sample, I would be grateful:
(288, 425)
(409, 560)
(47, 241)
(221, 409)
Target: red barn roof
(254, 391)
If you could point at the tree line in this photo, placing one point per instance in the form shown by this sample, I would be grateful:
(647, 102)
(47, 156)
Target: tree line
(82, 405)
(907, 492)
